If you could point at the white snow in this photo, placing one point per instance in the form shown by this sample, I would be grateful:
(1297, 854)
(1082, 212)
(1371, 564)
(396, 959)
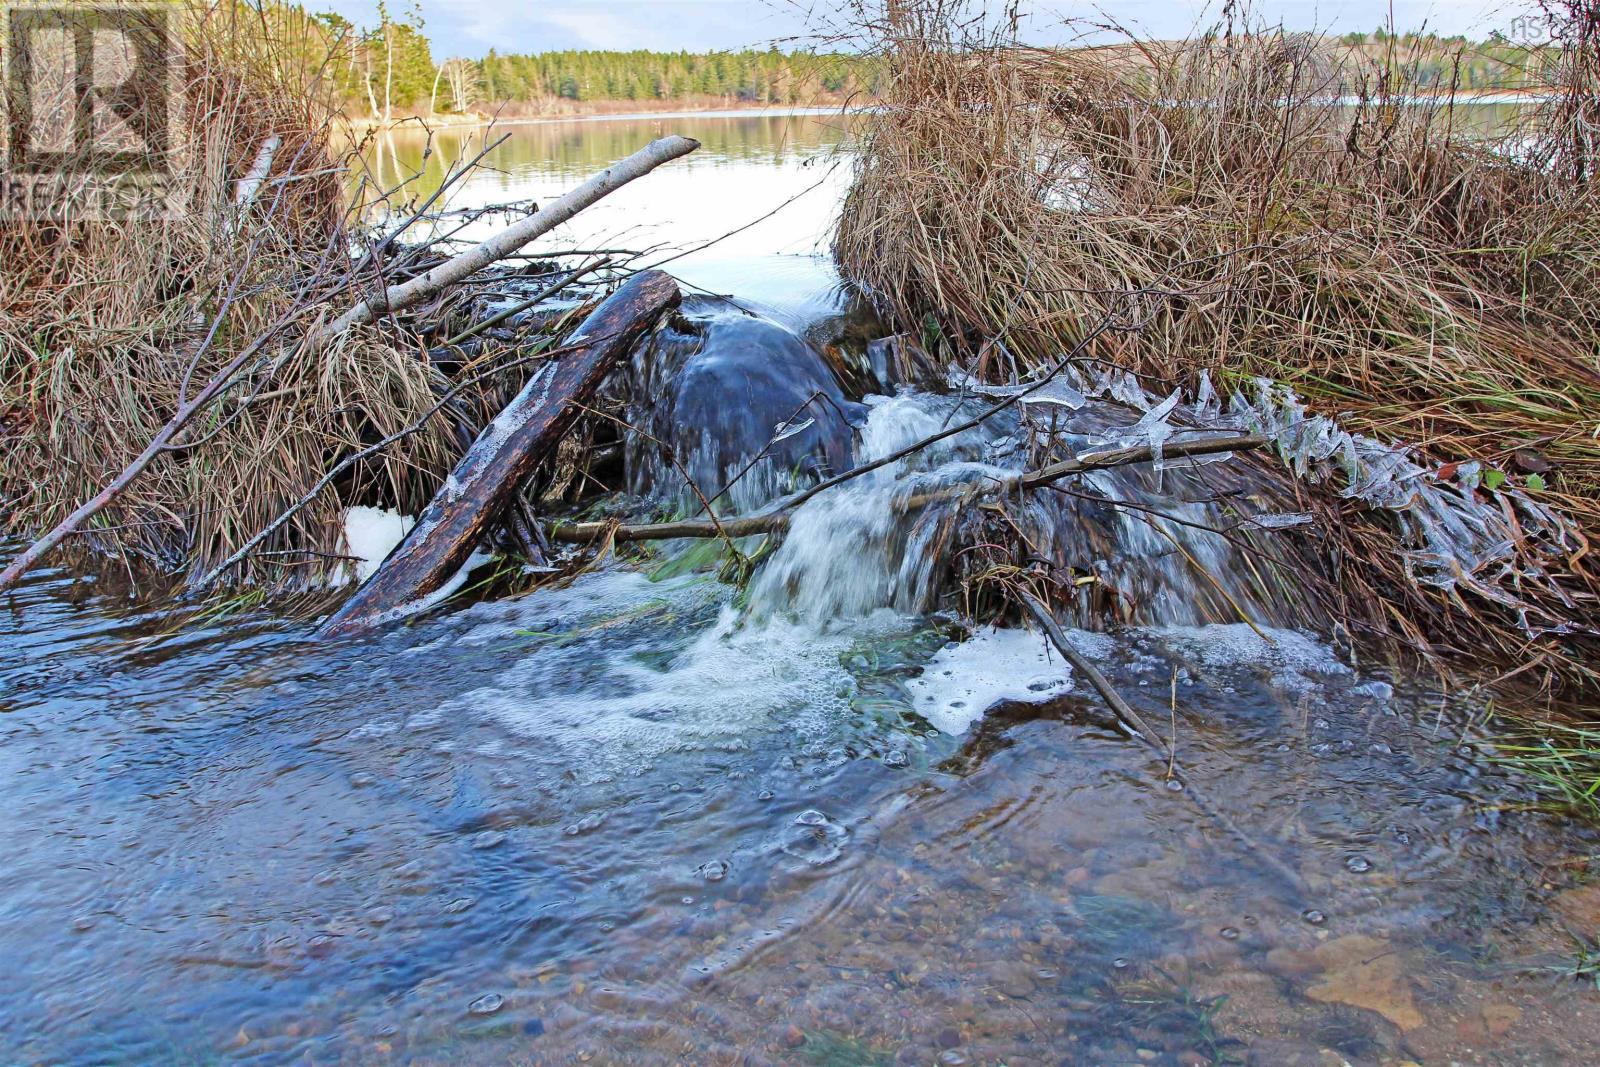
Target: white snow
(965, 680)
(371, 534)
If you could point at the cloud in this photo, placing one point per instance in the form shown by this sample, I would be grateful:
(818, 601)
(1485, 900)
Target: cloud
(472, 27)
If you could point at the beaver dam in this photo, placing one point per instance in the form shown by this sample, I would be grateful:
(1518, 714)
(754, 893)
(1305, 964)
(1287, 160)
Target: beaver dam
(465, 606)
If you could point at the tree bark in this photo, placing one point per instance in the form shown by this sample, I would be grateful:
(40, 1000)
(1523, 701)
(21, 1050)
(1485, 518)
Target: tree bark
(505, 453)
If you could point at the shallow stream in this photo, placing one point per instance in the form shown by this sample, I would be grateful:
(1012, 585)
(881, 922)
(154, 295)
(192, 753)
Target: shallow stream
(640, 820)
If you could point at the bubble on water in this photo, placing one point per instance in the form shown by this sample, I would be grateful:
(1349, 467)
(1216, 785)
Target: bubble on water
(592, 821)
(765, 794)
(1229, 933)
(1119, 963)
(459, 905)
(715, 871)
(688, 900)
(814, 838)
(894, 758)
(362, 779)
(1313, 916)
(1380, 748)
(487, 1004)
(488, 839)
(1046, 974)
(1174, 785)
(1358, 864)
(952, 1057)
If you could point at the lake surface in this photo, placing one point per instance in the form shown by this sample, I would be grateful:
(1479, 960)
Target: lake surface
(638, 820)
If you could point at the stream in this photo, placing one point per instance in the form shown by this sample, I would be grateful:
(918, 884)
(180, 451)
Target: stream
(643, 818)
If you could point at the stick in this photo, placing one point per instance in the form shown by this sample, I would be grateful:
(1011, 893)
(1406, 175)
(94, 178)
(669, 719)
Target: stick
(1150, 739)
(509, 240)
(508, 450)
(778, 518)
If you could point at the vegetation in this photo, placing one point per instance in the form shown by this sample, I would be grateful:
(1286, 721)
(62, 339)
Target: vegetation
(1220, 204)
(110, 327)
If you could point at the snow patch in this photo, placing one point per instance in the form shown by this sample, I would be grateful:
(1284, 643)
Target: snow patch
(965, 680)
(370, 534)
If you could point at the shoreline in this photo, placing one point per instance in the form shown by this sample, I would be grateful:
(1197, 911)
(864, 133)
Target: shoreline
(486, 121)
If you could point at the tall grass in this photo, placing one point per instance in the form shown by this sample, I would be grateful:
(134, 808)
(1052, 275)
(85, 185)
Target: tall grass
(1256, 202)
(108, 326)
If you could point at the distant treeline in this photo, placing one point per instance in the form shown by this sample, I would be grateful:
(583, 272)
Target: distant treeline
(769, 77)
(1445, 62)
(390, 70)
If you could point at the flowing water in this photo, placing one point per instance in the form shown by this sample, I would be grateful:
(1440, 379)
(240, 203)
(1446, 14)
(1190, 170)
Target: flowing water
(643, 818)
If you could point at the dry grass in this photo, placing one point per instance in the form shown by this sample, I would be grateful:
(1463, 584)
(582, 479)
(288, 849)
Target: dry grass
(1250, 203)
(107, 328)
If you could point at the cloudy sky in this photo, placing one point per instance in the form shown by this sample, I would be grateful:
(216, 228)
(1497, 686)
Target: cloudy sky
(472, 27)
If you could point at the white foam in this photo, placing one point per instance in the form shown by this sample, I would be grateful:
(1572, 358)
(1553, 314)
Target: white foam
(963, 681)
(370, 534)
(604, 698)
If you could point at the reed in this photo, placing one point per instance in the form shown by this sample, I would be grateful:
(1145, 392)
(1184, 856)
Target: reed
(108, 327)
(1257, 202)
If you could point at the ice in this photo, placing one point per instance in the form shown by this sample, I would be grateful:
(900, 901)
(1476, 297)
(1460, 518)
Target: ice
(962, 682)
(1296, 660)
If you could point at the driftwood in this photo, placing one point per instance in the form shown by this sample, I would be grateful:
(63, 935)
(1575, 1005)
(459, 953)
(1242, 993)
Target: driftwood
(507, 451)
(511, 239)
(778, 518)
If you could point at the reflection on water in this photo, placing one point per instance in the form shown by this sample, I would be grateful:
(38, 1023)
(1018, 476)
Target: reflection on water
(778, 175)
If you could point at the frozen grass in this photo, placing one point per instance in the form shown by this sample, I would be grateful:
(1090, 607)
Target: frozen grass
(1254, 202)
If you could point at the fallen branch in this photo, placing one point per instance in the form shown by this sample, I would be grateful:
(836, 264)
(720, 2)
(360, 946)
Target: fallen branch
(509, 240)
(778, 518)
(505, 453)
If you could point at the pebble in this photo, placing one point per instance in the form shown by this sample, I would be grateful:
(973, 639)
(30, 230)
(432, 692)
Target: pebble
(487, 1004)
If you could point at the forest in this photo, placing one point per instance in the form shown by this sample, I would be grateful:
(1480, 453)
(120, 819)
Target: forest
(390, 71)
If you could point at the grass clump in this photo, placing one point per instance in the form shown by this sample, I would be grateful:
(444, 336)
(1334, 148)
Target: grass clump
(1562, 761)
(1253, 202)
(108, 327)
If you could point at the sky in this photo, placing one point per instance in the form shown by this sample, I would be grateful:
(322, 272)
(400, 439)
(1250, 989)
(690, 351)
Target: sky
(471, 27)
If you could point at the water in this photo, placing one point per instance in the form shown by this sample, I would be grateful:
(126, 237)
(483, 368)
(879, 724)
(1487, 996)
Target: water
(638, 820)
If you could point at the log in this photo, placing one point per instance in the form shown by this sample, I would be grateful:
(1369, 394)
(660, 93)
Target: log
(778, 518)
(510, 239)
(505, 453)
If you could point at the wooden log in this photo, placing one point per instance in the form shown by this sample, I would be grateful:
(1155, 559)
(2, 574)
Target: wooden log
(510, 239)
(505, 453)
(778, 518)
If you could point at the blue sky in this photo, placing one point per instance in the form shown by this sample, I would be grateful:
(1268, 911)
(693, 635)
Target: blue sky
(472, 27)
